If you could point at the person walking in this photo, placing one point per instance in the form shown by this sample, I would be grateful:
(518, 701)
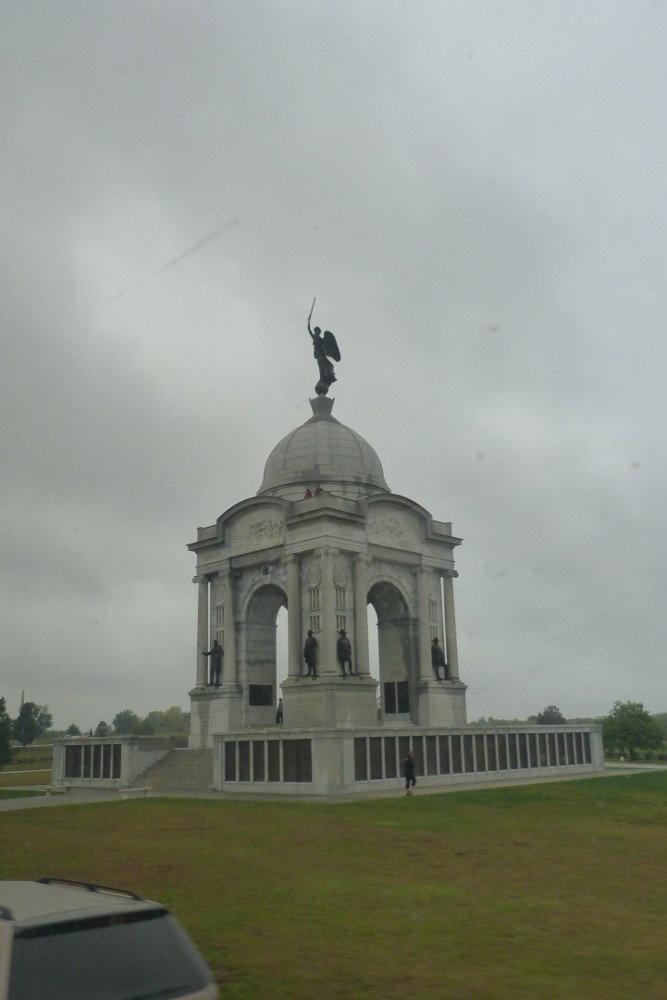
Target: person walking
(409, 767)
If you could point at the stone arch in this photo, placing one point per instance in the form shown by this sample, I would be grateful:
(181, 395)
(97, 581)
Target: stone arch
(259, 675)
(397, 647)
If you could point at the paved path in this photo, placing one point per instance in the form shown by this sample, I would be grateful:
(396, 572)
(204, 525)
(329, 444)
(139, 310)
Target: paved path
(66, 799)
(34, 770)
(90, 796)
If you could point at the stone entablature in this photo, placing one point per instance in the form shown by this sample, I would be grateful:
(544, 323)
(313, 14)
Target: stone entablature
(387, 521)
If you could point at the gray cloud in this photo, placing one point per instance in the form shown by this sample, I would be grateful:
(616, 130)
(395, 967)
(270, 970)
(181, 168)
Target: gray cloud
(474, 192)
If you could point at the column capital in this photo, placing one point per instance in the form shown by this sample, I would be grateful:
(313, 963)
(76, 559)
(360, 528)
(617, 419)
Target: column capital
(329, 550)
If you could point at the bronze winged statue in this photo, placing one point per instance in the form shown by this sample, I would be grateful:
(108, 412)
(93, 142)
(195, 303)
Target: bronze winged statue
(324, 348)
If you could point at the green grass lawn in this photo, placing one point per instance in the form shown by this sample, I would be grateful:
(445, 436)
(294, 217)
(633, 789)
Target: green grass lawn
(10, 780)
(554, 891)
(35, 759)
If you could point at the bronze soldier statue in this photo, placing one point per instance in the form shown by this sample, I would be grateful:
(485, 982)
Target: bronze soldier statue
(310, 654)
(217, 654)
(438, 660)
(344, 652)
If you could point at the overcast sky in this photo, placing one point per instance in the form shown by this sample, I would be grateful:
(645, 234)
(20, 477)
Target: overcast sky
(475, 191)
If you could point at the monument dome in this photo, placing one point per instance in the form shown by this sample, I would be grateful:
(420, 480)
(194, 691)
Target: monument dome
(323, 452)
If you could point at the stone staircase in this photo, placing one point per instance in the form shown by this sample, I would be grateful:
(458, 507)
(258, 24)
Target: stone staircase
(179, 771)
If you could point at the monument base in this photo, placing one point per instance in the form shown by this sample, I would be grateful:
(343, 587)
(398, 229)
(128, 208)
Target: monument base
(330, 702)
(364, 762)
(441, 703)
(214, 710)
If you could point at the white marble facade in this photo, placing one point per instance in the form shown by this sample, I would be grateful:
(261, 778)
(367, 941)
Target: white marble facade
(325, 558)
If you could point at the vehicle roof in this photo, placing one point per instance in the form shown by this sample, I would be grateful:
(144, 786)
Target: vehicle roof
(39, 902)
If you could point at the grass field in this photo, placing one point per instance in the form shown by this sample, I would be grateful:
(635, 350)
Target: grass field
(555, 890)
(11, 780)
(31, 766)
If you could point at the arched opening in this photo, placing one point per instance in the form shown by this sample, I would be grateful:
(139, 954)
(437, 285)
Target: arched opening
(373, 650)
(396, 650)
(282, 647)
(261, 653)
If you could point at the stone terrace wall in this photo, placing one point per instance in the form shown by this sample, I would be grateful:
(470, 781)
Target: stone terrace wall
(313, 762)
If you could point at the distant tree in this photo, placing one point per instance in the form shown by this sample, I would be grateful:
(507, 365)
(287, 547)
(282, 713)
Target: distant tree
(550, 716)
(172, 721)
(154, 723)
(44, 718)
(661, 719)
(146, 727)
(127, 722)
(73, 730)
(629, 728)
(31, 722)
(103, 729)
(176, 720)
(5, 735)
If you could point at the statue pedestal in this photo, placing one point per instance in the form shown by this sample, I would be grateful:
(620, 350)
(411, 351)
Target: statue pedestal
(330, 702)
(441, 703)
(213, 710)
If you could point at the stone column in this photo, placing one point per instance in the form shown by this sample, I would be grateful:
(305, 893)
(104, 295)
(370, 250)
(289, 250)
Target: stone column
(229, 662)
(327, 651)
(425, 667)
(450, 628)
(295, 660)
(361, 664)
(203, 637)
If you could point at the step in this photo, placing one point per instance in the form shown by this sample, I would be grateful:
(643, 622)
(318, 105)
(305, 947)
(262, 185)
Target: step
(183, 770)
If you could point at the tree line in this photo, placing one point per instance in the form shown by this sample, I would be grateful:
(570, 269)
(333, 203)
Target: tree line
(128, 723)
(627, 730)
(31, 723)
(35, 720)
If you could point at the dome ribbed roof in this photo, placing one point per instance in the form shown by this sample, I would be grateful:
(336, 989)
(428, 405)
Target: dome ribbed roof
(325, 452)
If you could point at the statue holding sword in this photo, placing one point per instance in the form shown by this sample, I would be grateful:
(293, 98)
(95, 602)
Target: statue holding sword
(324, 349)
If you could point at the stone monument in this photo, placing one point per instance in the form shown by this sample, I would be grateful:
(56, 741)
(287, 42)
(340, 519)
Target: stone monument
(324, 537)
